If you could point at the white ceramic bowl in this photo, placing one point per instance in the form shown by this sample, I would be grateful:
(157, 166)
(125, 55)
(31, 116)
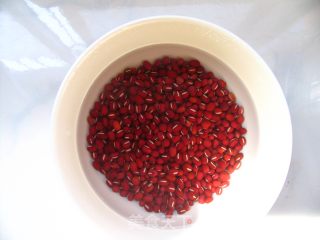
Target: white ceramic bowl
(254, 188)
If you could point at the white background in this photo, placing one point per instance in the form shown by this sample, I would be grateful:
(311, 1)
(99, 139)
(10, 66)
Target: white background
(40, 40)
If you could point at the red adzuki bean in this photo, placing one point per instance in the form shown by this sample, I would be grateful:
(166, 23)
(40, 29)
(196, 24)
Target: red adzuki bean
(166, 134)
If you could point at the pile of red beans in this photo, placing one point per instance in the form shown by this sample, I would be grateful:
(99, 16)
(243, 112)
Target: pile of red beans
(166, 134)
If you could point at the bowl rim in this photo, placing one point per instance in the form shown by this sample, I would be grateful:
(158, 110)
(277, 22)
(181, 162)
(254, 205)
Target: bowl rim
(59, 102)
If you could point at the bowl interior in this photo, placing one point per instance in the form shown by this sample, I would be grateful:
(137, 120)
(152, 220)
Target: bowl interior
(224, 203)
